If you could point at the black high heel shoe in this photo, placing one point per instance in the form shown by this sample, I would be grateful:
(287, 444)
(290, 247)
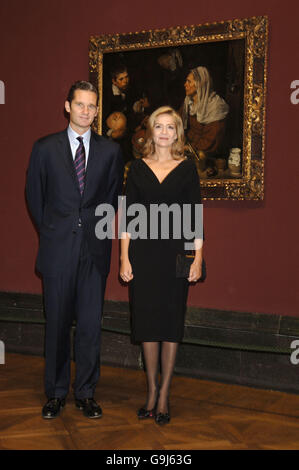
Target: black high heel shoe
(163, 418)
(143, 413)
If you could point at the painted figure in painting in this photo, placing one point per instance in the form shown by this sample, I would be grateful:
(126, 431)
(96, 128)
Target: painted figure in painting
(123, 109)
(203, 113)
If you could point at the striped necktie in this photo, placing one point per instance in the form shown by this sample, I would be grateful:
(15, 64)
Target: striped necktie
(80, 164)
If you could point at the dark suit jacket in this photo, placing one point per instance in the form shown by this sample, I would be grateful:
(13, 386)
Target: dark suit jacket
(55, 202)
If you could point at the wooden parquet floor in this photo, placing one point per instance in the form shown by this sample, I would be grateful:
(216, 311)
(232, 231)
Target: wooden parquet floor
(205, 415)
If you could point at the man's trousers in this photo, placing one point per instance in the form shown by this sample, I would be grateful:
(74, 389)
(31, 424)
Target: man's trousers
(75, 294)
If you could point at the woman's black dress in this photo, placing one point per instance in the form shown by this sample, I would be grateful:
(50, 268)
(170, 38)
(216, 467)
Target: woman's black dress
(157, 298)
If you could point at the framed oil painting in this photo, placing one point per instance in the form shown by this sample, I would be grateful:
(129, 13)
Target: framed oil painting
(213, 75)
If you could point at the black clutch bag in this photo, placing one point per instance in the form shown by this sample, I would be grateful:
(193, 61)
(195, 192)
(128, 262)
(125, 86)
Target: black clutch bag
(183, 263)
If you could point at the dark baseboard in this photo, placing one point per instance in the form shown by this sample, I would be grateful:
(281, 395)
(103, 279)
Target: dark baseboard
(243, 348)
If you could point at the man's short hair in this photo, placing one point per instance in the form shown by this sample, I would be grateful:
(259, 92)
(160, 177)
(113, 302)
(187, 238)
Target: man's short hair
(117, 69)
(81, 85)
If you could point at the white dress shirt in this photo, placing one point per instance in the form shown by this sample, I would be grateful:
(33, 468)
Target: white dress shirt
(74, 143)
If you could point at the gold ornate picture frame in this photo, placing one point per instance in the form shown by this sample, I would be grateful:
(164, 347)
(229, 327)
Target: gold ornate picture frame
(233, 54)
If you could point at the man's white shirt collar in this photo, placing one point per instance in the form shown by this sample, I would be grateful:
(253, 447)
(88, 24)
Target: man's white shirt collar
(74, 143)
(116, 91)
(73, 135)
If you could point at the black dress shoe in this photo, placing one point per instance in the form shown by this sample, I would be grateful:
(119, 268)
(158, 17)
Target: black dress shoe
(90, 407)
(53, 407)
(162, 418)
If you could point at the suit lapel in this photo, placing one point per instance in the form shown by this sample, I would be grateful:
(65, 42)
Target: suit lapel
(92, 162)
(91, 155)
(67, 156)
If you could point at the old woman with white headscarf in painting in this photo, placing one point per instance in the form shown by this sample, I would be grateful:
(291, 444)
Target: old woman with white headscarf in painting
(203, 113)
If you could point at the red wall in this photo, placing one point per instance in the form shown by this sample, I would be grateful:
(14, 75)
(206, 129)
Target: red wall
(251, 247)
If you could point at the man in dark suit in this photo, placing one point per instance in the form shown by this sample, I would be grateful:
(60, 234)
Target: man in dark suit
(71, 173)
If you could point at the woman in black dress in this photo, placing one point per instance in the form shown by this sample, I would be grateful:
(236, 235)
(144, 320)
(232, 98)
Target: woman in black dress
(163, 179)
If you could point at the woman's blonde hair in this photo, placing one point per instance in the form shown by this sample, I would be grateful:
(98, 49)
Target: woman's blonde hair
(177, 148)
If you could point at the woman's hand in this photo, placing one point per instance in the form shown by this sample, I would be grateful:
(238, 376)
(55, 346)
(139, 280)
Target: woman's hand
(125, 271)
(195, 271)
